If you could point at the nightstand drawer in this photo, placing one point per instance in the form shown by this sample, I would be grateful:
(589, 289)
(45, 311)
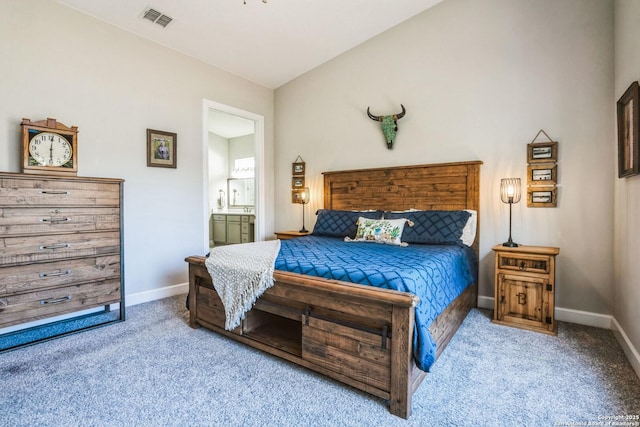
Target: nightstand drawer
(528, 263)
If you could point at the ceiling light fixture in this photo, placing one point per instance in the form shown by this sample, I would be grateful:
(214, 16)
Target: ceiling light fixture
(156, 17)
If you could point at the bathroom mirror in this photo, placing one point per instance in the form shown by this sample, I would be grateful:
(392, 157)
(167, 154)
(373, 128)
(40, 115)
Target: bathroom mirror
(241, 192)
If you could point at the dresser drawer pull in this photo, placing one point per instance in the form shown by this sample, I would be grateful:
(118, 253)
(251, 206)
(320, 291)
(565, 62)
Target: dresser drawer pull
(523, 266)
(60, 273)
(55, 300)
(55, 220)
(56, 246)
(54, 192)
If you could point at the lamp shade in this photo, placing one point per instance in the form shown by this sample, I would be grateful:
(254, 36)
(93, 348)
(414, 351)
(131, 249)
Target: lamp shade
(304, 199)
(304, 195)
(510, 190)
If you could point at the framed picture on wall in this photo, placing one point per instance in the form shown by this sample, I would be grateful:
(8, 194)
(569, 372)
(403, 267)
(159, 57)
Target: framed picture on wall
(297, 182)
(541, 197)
(542, 174)
(542, 152)
(297, 169)
(161, 148)
(628, 123)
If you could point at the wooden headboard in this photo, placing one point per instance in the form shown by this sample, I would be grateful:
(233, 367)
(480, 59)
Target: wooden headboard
(445, 186)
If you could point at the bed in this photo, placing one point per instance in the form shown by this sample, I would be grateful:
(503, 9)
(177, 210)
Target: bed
(361, 335)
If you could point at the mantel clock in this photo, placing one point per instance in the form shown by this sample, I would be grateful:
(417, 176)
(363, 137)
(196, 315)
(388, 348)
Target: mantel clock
(49, 147)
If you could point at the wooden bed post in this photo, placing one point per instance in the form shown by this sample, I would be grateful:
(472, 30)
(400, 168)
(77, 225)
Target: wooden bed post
(195, 270)
(401, 361)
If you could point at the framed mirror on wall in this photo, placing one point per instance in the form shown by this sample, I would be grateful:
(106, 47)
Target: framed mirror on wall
(241, 192)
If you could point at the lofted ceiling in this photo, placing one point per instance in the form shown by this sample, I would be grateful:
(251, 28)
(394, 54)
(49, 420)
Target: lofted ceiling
(267, 43)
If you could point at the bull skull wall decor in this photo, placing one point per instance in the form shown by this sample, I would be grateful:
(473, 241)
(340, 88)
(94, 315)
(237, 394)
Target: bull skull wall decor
(389, 125)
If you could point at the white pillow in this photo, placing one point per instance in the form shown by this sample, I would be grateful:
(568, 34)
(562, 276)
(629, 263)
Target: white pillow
(469, 230)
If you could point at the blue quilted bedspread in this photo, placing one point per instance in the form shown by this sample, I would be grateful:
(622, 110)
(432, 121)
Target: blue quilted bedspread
(435, 273)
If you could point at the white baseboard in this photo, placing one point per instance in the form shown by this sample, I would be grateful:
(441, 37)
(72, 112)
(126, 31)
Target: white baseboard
(627, 346)
(485, 302)
(566, 315)
(155, 294)
(584, 318)
(589, 319)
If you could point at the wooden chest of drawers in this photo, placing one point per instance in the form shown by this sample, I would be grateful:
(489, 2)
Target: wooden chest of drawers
(61, 246)
(525, 287)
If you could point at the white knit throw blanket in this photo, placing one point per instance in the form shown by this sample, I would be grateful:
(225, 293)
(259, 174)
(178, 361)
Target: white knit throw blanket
(241, 273)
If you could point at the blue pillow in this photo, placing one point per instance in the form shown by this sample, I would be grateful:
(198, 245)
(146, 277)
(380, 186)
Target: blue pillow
(432, 227)
(335, 223)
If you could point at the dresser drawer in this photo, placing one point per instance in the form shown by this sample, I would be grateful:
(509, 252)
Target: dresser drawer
(529, 263)
(27, 278)
(29, 249)
(48, 192)
(31, 306)
(41, 220)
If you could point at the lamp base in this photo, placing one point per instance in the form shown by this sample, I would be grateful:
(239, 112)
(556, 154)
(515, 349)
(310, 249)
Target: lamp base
(510, 244)
(303, 230)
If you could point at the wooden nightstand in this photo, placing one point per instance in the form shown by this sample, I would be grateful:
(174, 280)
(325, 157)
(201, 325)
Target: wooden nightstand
(525, 287)
(286, 235)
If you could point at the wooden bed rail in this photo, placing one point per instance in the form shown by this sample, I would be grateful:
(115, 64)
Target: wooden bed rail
(337, 287)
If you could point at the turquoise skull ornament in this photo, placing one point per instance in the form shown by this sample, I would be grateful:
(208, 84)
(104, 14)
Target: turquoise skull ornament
(389, 125)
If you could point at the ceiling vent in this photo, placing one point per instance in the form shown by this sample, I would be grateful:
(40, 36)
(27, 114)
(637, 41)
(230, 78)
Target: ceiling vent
(156, 17)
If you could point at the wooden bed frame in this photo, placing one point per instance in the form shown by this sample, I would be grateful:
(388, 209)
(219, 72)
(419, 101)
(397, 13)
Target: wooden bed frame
(359, 335)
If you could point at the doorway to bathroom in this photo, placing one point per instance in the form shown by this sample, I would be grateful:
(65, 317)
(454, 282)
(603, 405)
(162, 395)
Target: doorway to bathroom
(234, 174)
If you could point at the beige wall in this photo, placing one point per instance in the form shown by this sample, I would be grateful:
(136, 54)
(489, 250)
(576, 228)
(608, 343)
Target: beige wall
(57, 62)
(627, 190)
(479, 79)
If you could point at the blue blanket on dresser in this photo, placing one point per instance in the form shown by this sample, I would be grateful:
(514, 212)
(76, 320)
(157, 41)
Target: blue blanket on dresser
(435, 273)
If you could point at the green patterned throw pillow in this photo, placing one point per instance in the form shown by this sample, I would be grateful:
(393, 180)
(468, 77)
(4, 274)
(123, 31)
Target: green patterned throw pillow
(380, 231)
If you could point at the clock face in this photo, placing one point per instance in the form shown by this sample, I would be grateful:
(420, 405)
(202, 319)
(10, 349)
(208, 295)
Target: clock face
(50, 149)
